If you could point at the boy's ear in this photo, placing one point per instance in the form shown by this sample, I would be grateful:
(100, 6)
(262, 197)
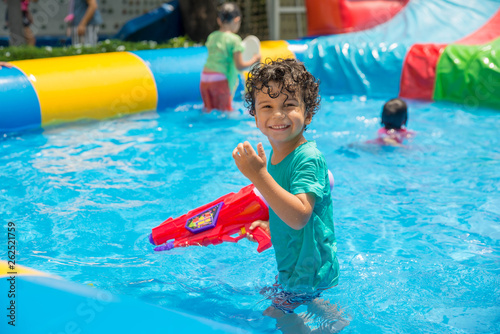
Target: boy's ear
(237, 19)
(308, 118)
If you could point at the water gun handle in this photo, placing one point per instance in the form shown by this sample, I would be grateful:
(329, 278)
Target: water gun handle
(263, 238)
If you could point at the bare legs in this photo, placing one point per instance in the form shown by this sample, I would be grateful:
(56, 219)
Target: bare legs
(326, 316)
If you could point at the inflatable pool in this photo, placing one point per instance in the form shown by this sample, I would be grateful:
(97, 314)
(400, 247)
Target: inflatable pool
(43, 303)
(415, 54)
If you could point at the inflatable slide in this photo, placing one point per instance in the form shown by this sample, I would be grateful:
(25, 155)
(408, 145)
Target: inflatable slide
(371, 62)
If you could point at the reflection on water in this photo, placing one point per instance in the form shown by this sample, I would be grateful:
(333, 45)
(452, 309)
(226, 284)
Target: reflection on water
(79, 148)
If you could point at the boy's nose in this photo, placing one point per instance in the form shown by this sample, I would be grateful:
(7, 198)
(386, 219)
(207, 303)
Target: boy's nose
(278, 112)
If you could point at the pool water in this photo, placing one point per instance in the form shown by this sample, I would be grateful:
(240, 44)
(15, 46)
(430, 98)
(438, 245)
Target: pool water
(418, 227)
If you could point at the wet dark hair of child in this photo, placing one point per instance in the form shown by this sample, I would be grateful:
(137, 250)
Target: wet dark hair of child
(394, 114)
(292, 78)
(228, 11)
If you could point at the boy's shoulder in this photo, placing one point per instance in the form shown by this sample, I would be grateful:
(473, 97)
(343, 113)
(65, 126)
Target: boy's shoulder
(309, 151)
(310, 148)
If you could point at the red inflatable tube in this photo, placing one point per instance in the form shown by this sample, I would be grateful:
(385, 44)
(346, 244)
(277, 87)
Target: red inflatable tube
(327, 17)
(419, 71)
(418, 76)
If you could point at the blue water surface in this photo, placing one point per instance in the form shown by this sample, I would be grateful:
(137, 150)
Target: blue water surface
(418, 227)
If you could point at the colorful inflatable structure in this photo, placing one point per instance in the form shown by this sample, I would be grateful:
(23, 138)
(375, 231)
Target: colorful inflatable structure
(402, 55)
(38, 93)
(466, 71)
(415, 53)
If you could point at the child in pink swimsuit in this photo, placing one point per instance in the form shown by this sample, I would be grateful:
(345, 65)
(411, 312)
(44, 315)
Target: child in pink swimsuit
(394, 118)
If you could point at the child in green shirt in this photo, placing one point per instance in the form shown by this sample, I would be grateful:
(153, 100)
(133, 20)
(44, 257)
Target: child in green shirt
(220, 73)
(283, 97)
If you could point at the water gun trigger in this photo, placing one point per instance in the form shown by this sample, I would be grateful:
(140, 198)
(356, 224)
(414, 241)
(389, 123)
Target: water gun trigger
(260, 235)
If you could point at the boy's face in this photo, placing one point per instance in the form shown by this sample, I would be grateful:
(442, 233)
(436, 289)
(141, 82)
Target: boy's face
(282, 119)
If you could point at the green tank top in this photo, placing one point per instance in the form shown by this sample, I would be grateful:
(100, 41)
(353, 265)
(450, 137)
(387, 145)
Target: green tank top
(221, 47)
(306, 258)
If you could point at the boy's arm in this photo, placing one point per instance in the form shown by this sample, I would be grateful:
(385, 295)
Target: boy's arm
(294, 210)
(82, 26)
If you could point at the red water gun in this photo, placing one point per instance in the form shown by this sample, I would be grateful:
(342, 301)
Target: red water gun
(216, 222)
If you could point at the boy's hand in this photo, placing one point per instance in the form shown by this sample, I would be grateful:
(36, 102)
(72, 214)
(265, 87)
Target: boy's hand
(258, 223)
(248, 161)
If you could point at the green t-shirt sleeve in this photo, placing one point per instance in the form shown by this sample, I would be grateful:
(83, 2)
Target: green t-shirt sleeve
(237, 44)
(309, 177)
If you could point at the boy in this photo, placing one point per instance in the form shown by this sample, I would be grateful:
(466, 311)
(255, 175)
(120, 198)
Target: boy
(220, 73)
(283, 97)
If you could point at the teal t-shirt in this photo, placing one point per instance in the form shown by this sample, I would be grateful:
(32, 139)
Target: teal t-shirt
(307, 258)
(221, 47)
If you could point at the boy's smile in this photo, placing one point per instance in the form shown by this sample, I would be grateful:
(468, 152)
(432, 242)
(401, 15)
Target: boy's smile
(281, 119)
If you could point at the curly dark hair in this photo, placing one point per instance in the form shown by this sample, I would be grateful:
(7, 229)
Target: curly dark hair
(292, 78)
